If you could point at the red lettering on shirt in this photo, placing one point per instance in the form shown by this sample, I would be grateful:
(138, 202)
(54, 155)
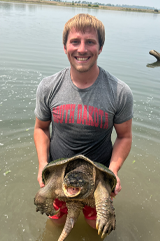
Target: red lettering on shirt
(101, 113)
(96, 117)
(67, 108)
(85, 116)
(91, 111)
(61, 113)
(79, 114)
(71, 117)
(55, 113)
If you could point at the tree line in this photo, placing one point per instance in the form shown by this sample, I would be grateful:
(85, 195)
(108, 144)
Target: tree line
(109, 5)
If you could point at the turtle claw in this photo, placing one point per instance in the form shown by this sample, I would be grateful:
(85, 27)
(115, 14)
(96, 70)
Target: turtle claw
(103, 227)
(100, 228)
(52, 212)
(106, 231)
(45, 205)
(97, 224)
(37, 209)
(104, 235)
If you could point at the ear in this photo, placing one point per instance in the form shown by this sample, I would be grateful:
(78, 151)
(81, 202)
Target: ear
(100, 50)
(65, 49)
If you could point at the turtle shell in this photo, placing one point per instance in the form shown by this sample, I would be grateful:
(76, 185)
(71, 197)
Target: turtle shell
(50, 166)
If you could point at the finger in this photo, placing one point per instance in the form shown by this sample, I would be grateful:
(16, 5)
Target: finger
(112, 196)
(116, 191)
(117, 188)
(41, 184)
(39, 179)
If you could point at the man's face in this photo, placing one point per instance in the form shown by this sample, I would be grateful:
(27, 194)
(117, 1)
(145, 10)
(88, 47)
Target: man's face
(82, 49)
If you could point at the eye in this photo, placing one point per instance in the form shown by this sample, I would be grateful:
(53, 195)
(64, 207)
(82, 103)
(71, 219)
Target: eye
(90, 42)
(75, 41)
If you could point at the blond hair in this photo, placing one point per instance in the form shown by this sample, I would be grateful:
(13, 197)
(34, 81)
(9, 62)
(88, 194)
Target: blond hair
(81, 22)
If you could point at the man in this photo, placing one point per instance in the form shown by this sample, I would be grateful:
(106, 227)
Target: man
(83, 103)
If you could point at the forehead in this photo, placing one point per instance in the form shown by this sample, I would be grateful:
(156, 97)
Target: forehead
(87, 32)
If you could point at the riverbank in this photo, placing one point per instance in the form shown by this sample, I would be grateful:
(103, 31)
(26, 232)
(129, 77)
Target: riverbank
(94, 6)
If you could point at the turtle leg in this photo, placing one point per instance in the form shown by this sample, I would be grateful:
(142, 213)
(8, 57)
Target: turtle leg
(44, 202)
(106, 221)
(74, 209)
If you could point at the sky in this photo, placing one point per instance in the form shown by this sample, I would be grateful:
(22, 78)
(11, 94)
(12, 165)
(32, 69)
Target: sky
(149, 3)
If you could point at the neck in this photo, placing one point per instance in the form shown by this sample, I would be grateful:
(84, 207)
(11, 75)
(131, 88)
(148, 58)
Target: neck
(84, 80)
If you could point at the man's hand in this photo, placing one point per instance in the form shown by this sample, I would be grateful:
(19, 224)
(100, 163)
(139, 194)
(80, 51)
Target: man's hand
(121, 150)
(42, 143)
(117, 188)
(39, 178)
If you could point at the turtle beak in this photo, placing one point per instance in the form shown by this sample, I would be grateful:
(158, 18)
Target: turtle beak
(71, 191)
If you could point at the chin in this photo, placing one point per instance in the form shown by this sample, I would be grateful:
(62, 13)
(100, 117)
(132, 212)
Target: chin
(82, 69)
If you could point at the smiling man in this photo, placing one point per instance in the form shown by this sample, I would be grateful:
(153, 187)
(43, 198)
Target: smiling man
(82, 50)
(83, 103)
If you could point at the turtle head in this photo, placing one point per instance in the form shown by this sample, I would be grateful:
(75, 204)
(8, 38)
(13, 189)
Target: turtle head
(77, 184)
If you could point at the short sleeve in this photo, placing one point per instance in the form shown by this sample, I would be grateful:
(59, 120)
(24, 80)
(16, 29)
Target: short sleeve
(42, 110)
(124, 110)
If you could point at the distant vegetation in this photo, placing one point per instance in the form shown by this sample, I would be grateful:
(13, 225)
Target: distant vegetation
(86, 4)
(97, 4)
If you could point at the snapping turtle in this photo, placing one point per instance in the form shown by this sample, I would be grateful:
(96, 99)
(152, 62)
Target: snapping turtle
(78, 181)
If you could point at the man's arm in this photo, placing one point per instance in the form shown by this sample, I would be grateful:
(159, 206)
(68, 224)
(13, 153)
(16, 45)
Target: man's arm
(121, 149)
(42, 143)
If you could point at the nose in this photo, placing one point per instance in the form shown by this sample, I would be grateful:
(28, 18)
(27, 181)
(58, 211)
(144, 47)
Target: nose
(82, 47)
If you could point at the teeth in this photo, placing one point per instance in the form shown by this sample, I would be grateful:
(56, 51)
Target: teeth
(82, 59)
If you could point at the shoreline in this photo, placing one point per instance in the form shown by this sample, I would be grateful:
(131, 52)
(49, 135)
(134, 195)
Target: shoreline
(80, 5)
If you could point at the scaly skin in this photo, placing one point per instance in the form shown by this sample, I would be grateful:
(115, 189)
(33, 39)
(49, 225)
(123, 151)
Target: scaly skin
(91, 186)
(74, 209)
(45, 196)
(106, 221)
(44, 202)
(46, 207)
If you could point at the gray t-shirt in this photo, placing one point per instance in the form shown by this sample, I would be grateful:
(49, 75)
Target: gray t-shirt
(83, 119)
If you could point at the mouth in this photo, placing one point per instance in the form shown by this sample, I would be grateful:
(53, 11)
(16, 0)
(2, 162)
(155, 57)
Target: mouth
(82, 59)
(71, 191)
